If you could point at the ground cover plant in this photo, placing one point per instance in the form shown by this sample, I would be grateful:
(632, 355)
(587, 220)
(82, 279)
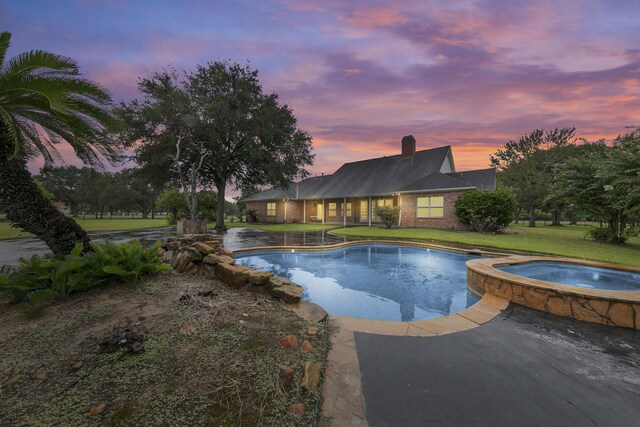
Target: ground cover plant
(194, 352)
(570, 241)
(40, 279)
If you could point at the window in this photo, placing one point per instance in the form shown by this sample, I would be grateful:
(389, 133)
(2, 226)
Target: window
(271, 208)
(364, 210)
(333, 210)
(430, 207)
(378, 203)
(349, 213)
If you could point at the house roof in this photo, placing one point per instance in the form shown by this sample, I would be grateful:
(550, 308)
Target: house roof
(384, 176)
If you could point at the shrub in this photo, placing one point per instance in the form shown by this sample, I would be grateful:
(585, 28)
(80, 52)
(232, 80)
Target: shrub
(486, 211)
(253, 215)
(40, 279)
(388, 214)
(601, 234)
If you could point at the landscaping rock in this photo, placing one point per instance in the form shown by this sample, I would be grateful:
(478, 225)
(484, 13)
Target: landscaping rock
(296, 410)
(307, 347)
(311, 377)
(285, 290)
(172, 246)
(203, 248)
(77, 366)
(208, 271)
(179, 262)
(192, 254)
(214, 259)
(137, 347)
(286, 376)
(259, 277)
(313, 330)
(234, 275)
(168, 256)
(290, 341)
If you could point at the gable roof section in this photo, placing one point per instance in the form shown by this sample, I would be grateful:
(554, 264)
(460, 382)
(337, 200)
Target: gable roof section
(384, 176)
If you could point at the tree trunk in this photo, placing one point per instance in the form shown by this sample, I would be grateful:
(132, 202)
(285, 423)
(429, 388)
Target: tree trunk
(555, 217)
(220, 207)
(29, 209)
(532, 216)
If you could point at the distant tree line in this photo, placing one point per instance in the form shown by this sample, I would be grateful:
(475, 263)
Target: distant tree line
(552, 171)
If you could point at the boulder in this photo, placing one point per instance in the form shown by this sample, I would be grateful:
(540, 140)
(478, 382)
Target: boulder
(259, 277)
(168, 256)
(173, 246)
(285, 290)
(234, 275)
(311, 377)
(203, 248)
(208, 271)
(218, 259)
(179, 262)
(192, 254)
(285, 375)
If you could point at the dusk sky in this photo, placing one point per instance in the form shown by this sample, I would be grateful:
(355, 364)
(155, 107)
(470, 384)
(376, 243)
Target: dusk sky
(361, 74)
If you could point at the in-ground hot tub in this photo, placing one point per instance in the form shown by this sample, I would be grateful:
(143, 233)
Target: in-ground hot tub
(582, 276)
(591, 291)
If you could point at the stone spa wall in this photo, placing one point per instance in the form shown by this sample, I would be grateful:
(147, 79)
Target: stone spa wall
(606, 307)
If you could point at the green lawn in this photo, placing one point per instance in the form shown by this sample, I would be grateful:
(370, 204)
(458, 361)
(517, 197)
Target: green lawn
(567, 241)
(90, 224)
(282, 227)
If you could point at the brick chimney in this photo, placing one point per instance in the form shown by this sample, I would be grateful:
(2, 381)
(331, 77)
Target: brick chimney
(408, 146)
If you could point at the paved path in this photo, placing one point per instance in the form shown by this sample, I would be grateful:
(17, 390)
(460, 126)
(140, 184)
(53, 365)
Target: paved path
(522, 368)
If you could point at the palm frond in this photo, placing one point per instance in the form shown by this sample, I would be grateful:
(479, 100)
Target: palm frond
(5, 39)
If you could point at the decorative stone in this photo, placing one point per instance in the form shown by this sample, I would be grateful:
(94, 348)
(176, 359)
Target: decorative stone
(307, 347)
(259, 277)
(285, 290)
(313, 330)
(41, 376)
(599, 306)
(311, 377)
(97, 409)
(208, 271)
(559, 306)
(621, 314)
(192, 254)
(172, 246)
(290, 341)
(137, 347)
(168, 256)
(234, 275)
(535, 299)
(296, 410)
(582, 313)
(203, 248)
(214, 259)
(187, 330)
(77, 366)
(285, 375)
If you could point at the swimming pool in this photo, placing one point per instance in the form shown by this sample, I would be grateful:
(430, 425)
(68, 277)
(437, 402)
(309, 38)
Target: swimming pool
(383, 282)
(577, 275)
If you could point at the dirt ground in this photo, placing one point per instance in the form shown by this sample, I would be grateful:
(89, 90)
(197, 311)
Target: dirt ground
(168, 351)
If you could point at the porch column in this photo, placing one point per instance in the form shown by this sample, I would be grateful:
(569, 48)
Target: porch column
(344, 212)
(304, 211)
(369, 211)
(322, 211)
(400, 206)
(285, 212)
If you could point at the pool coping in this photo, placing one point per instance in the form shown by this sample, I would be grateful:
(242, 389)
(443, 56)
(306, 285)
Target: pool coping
(608, 307)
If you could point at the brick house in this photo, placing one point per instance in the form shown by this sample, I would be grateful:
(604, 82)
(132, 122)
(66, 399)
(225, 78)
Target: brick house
(424, 184)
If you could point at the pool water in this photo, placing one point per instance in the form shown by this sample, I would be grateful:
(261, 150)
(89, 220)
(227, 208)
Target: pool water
(384, 282)
(577, 275)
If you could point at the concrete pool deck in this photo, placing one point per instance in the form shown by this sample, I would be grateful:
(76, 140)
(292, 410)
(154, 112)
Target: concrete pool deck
(523, 367)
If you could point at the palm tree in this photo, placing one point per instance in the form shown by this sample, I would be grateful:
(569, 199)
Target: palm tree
(44, 101)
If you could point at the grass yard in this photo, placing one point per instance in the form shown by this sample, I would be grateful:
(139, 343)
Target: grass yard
(283, 227)
(90, 224)
(567, 241)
